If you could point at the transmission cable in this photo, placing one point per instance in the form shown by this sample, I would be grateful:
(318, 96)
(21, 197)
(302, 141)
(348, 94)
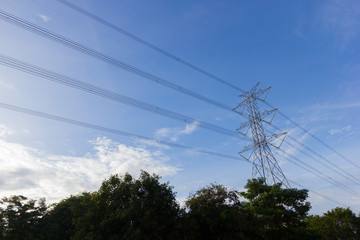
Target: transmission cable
(318, 173)
(146, 43)
(77, 46)
(103, 57)
(40, 72)
(61, 79)
(70, 82)
(321, 195)
(131, 135)
(338, 170)
(114, 131)
(190, 65)
(316, 138)
(334, 170)
(67, 42)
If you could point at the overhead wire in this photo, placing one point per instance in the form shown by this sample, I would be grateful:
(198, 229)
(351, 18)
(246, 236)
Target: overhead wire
(77, 46)
(192, 66)
(316, 138)
(52, 76)
(70, 82)
(319, 194)
(67, 42)
(103, 57)
(317, 173)
(352, 179)
(337, 169)
(146, 43)
(111, 130)
(134, 136)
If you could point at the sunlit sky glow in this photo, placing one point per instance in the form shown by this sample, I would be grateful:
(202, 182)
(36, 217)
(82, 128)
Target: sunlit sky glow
(307, 51)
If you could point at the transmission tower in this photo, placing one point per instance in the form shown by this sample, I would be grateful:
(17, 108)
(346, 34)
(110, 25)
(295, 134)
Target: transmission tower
(264, 164)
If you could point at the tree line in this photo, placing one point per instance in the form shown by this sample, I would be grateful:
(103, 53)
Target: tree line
(144, 208)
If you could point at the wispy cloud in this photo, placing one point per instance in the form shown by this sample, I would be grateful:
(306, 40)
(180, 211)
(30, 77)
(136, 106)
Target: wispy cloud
(341, 18)
(326, 113)
(291, 147)
(174, 133)
(7, 85)
(34, 173)
(43, 17)
(321, 204)
(197, 11)
(335, 106)
(333, 131)
(5, 131)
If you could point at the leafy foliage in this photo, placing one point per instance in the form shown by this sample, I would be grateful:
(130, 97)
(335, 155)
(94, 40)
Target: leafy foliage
(339, 223)
(144, 208)
(20, 218)
(280, 212)
(128, 208)
(215, 212)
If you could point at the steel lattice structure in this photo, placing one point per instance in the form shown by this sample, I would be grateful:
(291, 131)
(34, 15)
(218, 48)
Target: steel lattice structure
(264, 163)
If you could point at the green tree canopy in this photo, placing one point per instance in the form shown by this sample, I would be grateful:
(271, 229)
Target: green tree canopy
(337, 224)
(128, 208)
(280, 212)
(215, 212)
(57, 223)
(20, 217)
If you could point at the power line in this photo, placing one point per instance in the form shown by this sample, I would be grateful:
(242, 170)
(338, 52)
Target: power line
(110, 130)
(146, 43)
(316, 138)
(70, 82)
(321, 195)
(77, 46)
(338, 170)
(190, 65)
(334, 170)
(318, 173)
(61, 79)
(131, 135)
(67, 42)
(103, 57)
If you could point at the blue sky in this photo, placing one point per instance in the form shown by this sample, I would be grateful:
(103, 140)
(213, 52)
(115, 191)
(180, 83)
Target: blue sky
(307, 51)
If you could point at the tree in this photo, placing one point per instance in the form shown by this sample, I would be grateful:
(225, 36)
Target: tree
(20, 217)
(337, 224)
(280, 213)
(57, 223)
(128, 208)
(214, 212)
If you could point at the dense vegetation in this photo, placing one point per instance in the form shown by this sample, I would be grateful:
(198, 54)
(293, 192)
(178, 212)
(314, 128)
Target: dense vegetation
(144, 208)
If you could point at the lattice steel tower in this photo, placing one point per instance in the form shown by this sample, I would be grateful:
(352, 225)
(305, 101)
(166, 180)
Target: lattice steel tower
(264, 163)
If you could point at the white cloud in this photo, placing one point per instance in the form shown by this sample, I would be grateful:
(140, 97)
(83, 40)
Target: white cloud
(163, 132)
(44, 17)
(35, 174)
(174, 133)
(5, 131)
(189, 128)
